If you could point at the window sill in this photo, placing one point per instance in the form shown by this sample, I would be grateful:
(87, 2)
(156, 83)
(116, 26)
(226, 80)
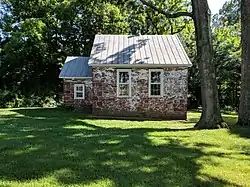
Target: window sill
(156, 96)
(123, 97)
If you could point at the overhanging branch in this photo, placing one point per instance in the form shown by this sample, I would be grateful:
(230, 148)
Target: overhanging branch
(168, 15)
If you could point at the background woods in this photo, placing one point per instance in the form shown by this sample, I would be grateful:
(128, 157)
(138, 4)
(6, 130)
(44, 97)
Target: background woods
(36, 37)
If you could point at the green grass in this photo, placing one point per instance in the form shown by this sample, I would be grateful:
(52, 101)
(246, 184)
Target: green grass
(53, 147)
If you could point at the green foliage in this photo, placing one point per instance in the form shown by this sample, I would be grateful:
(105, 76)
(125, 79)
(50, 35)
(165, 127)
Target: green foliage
(114, 19)
(11, 99)
(230, 13)
(227, 53)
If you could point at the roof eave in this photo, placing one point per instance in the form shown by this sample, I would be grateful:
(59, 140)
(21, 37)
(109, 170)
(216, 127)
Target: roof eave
(142, 65)
(60, 77)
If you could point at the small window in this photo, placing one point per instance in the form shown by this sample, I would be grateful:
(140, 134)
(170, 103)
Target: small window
(123, 83)
(79, 91)
(155, 83)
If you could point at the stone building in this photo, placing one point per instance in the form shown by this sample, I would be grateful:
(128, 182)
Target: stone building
(130, 76)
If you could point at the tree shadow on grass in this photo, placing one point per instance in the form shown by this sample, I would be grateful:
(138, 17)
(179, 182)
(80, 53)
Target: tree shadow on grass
(229, 119)
(49, 142)
(242, 131)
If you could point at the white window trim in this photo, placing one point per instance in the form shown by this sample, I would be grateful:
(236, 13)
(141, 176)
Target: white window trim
(117, 82)
(83, 91)
(162, 81)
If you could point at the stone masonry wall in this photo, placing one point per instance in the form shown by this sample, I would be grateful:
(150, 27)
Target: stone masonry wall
(68, 94)
(173, 104)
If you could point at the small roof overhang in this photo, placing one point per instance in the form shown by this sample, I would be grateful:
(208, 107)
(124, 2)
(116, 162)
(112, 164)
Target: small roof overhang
(76, 67)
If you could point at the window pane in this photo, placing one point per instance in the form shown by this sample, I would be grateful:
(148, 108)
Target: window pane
(156, 77)
(79, 88)
(79, 94)
(123, 90)
(155, 89)
(123, 77)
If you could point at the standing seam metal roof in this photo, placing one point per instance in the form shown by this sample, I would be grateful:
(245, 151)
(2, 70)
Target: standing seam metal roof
(76, 67)
(165, 50)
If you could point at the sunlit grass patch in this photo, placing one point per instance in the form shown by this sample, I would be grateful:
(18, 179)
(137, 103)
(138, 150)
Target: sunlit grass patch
(54, 147)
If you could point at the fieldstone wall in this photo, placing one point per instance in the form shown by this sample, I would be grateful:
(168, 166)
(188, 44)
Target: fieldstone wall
(173, 105)
(68, 94)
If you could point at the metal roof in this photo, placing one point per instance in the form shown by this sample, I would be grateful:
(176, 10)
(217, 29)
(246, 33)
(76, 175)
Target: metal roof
(143, 50)
(76, 67)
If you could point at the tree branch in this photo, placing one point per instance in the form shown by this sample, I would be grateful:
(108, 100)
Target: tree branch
(155, 26)
(168, 15)
(179, 30)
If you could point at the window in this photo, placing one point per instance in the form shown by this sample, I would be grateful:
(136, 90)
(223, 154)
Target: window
(78, 91)
(155, 82)
(123, 82)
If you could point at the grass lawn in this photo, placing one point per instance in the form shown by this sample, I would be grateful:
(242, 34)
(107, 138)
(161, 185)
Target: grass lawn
(53, 147)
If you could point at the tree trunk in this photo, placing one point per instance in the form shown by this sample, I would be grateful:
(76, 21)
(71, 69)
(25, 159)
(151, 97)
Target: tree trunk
(244, 109)
(211, 116)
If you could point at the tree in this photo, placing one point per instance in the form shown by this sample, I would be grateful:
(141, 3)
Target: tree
(227, 54)
(211, 115)
(244, 109)
(230, 12)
